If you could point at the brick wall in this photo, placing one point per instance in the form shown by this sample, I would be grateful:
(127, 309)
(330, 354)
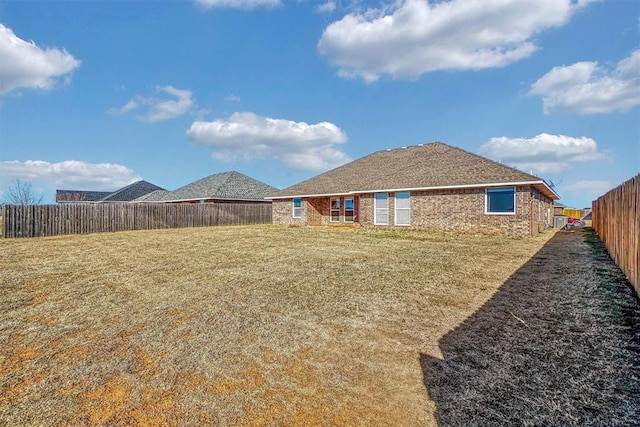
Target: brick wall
(282, 212)
(446, 210)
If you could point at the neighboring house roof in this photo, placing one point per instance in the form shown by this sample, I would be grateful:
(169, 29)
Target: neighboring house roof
(72, 196)
(222, 186)
(131, 192)
(124, 194)
(420, 167)
(154, 196)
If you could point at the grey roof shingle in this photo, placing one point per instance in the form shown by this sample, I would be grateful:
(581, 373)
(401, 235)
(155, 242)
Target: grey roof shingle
(421, 166)
(131, 192)
(226, 186)
(154, 196)
(80, 196)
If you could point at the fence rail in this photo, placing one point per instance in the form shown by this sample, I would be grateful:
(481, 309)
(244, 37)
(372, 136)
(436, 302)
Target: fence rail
(52, 220)
(616, 219)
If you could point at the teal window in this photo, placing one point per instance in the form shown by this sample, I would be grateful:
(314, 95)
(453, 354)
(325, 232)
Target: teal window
(297, 208)
(349, 209)
(500, 200)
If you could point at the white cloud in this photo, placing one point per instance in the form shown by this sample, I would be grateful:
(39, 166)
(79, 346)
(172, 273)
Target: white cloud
(592, 188)
(238, 4)
(233, 98)
(543, 153)
(26, 65)
(159, 108)
(69, 175)
(413, 37)
(326, 7)
(586, 88)
(246, 135)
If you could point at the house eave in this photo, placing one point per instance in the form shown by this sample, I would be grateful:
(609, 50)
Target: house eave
(550, 192)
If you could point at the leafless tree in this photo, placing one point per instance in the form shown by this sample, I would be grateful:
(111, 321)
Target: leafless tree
(21, 193)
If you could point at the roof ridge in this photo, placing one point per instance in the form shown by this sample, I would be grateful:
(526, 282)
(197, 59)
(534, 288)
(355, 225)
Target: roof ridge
(120, 190)
(228, 175)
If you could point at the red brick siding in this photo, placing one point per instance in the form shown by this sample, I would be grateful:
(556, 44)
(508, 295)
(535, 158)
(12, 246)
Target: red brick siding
(317, 209)
(446, 210)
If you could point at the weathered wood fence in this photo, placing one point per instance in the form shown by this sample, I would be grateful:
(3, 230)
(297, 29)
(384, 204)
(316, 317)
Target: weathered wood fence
(52, 220)
(616, 219)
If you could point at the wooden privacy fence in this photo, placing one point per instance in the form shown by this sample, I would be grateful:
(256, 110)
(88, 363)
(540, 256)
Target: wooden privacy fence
(52, 220)
(616, 219)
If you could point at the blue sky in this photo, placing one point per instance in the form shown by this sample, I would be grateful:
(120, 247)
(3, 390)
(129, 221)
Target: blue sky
(97, 94)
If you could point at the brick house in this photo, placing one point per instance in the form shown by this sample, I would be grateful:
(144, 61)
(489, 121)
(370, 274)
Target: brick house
(428, 186)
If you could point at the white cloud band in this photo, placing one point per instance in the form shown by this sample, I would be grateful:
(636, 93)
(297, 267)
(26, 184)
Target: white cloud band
(70, 174)
(543, 153)
(26, 65)
(415, 37)
(247, 135)
(586, 88)
(158, 108)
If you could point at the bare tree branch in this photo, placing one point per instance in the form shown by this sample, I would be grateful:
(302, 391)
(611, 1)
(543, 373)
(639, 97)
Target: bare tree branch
(21, 193)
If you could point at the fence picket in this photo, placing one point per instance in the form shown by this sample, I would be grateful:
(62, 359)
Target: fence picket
(52, 220)
(616, 220)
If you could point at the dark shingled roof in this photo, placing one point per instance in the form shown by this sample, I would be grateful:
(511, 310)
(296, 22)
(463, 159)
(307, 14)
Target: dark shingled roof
(80, 196)
(131, 192)
(154, 196)
(417, 167)
(226, 186)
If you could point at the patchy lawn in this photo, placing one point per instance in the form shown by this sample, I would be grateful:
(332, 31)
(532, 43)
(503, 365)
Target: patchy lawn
(237, 325)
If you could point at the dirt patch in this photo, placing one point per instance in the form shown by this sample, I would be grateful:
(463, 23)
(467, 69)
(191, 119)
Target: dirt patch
(559, 344)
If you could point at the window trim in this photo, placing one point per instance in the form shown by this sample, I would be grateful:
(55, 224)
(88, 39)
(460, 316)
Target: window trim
(299, 208)
(396, 209)
(376, 208)
(493, 189)
(331, 210)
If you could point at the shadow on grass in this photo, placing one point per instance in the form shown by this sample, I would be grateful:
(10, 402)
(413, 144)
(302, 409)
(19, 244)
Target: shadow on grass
(558, 344)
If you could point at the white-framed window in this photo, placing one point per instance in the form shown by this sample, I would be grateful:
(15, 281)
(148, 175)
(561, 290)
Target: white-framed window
(335, 210)
(349, 209)
(501, 200)
(297, 208)
(381, 209)
(403, 209)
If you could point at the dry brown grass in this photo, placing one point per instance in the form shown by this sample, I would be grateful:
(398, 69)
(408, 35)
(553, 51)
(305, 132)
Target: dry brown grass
(257, 325)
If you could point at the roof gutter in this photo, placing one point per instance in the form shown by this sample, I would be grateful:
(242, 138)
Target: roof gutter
(441, 187)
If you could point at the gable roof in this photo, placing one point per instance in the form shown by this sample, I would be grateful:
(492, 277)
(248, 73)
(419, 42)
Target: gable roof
(226, 186)
(72, 196)
(131, 192)
(419, 167)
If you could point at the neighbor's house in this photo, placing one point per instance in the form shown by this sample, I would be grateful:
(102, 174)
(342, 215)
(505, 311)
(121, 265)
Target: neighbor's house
(428, 186)
(558, 207)
(226, 187)
(124, 194)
